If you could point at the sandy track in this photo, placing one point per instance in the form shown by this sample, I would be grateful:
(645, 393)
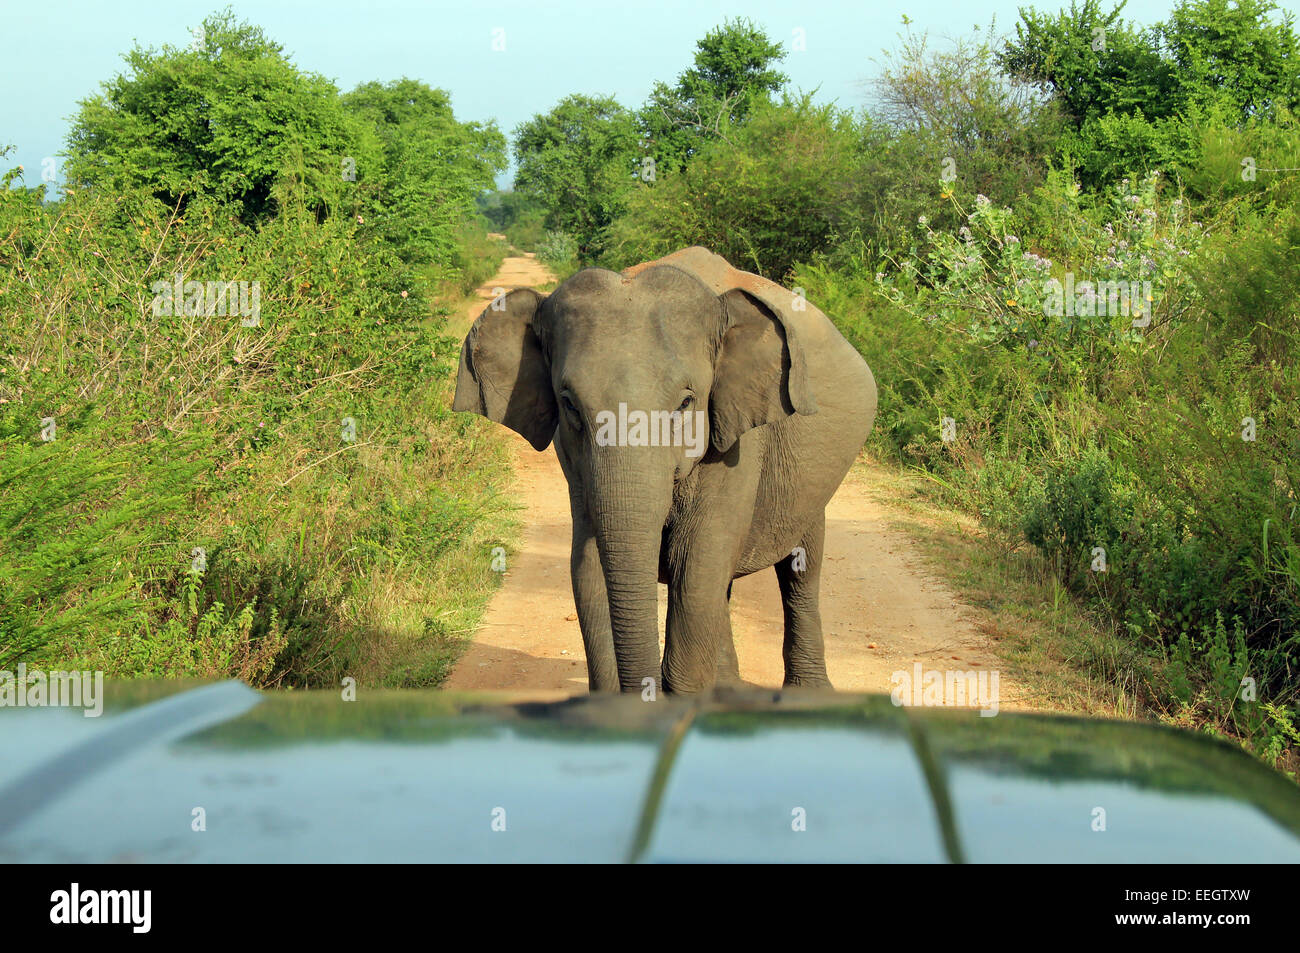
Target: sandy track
(882, 610)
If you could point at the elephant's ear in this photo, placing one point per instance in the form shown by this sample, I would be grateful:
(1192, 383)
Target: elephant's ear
(761, 374)
(504, 374)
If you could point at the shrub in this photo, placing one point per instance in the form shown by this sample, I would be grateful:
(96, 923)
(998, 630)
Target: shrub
(559, 252)
(179, 432)
(1170, 447)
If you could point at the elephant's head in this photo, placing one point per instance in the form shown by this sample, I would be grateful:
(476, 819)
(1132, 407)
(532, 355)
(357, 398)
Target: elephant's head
(637, 379)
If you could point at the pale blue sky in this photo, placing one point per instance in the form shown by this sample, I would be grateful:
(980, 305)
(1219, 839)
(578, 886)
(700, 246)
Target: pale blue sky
(55, 52)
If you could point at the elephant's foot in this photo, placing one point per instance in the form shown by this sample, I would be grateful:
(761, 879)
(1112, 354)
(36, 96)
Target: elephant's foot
(808, 681)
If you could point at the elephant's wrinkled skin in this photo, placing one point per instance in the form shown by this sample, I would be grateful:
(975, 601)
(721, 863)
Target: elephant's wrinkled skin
(789, 403)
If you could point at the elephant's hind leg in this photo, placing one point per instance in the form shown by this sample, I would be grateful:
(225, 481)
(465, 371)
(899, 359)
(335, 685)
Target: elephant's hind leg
(799, 576)
(698, 649)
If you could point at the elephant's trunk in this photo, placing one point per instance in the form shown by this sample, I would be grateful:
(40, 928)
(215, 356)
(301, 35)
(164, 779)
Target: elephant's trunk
(630, 505)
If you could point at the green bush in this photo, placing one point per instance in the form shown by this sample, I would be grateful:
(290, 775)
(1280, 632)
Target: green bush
(559, 252)
(476, 257)
(70, 510)
(179, 430)
(1251, 166)
(1170, 449)
(1074, 319)
(770, 196)
(1079, 517)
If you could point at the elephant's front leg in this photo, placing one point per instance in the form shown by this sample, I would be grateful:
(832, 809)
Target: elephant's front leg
(593, 607)
(728, 662)
(698, 645)
(799, 576)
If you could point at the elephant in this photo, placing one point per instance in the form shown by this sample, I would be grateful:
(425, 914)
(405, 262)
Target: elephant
(762, 407)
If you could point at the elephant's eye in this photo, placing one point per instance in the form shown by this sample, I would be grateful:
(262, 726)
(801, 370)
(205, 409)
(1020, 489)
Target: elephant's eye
(686, 404)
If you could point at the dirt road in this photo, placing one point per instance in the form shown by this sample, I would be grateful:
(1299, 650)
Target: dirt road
(881, 610)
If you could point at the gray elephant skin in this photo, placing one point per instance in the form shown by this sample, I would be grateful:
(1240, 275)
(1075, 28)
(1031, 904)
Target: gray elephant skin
(781, 404)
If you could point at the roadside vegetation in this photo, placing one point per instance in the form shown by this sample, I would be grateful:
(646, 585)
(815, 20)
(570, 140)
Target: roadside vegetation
(274, 490)
(1070, 257)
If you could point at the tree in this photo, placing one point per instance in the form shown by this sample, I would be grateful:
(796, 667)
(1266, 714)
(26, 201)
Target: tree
(224, 117)
(1231, 55)
(1117, 91)
(773, 195)
(732, 73)
(579, 161)
(1095, 63)
(427, 169)
(965, 122)
(1134, 96)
